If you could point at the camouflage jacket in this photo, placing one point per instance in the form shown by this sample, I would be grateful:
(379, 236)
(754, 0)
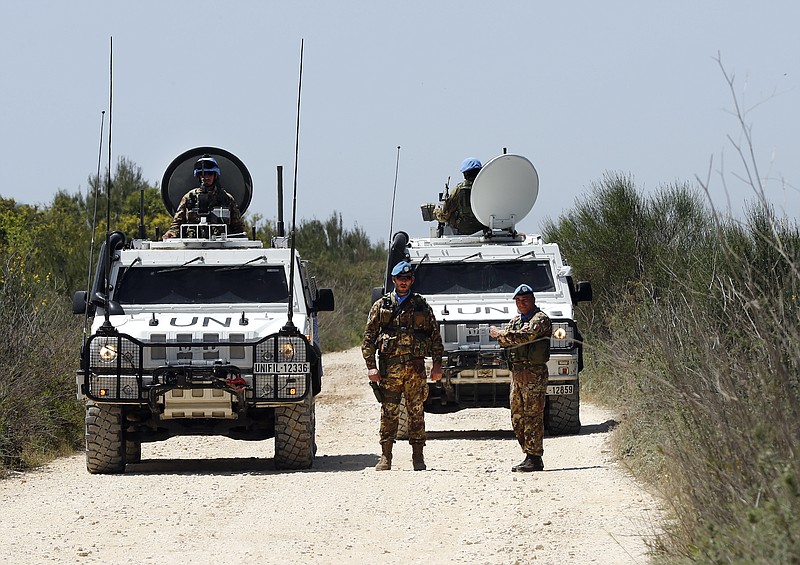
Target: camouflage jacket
(406, 330)
(217, 198)
(527, 343)
(457, 210)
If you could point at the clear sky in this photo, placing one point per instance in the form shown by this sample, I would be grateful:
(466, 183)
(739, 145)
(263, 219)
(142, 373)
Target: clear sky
(579, 88)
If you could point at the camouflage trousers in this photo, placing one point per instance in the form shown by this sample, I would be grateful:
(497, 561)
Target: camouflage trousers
(410, 380)
(528, 389)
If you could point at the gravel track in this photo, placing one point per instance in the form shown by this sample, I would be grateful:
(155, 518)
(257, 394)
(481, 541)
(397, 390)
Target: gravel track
(210, 500)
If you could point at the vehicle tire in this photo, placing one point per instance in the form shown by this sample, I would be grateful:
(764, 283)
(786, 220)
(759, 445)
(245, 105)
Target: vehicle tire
(402, 422)
(562, 415)
(294, 435)
(133, 451)
(105, 448)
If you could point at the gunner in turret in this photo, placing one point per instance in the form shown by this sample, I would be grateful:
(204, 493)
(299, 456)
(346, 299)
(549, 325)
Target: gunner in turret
(200, 202)
(457, 208)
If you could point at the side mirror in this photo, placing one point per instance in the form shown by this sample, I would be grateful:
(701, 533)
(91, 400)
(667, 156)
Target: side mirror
(80, 305)
(377, 292)
(583, 292)
(324, 301)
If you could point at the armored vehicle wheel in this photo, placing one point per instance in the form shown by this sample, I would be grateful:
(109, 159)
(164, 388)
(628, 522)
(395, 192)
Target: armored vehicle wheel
(294, 435)
(562, 414)
(133, 451)
(105, 448)
(402, 422)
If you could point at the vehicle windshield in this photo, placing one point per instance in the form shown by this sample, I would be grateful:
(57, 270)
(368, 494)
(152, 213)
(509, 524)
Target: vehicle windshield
(479, 278)
(201, 285)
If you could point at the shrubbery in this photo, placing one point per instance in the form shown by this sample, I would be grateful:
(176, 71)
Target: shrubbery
(694, 337)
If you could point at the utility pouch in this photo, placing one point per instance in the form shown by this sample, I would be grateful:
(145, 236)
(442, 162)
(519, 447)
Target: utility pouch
(381, 365)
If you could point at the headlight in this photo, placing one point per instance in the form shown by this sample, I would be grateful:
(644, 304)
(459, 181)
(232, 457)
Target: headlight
(108, 352)
(286, 351)
(559, 333)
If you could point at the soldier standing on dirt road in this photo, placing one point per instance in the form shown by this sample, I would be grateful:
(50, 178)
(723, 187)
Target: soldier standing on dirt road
(527, 341)
(402, 329)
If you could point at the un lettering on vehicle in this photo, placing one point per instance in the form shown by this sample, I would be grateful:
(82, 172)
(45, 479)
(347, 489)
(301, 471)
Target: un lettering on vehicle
(484, 310)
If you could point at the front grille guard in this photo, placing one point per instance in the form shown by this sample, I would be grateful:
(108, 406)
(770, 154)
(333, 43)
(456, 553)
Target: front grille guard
(460, 359)
(473, 337)
(121, 368)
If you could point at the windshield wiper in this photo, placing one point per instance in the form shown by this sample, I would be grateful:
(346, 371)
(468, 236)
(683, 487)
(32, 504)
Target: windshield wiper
(243, 265)
(195, 260)
(127, 270)
(478, 254)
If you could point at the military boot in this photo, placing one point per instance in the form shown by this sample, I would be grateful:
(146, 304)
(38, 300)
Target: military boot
(531, 463)
(386, 458)
(416, 457)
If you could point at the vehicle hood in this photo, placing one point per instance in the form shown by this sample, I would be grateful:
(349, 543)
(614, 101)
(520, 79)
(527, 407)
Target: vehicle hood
(253, 325)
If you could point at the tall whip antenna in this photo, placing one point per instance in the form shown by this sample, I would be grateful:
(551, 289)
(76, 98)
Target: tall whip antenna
(394, 194)
(107, 327)
(391, 216)
(94, 225)
(290, 327)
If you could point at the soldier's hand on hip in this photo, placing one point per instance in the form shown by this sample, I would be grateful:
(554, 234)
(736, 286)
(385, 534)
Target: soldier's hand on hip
(436, 372)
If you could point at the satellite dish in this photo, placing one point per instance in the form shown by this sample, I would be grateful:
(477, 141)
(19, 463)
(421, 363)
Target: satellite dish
(504, 191)
(179, 177)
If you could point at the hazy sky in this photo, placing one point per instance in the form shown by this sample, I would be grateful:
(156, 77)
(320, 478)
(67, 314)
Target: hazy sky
(579, 88)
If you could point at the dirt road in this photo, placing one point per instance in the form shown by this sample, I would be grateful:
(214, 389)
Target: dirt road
(213, 500)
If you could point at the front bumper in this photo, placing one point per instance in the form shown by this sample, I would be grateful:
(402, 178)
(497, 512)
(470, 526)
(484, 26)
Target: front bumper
(198, 376)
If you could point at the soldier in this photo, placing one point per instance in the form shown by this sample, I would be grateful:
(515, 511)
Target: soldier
(198, 202)
(527, 341)
(457, 208)
(403, 330)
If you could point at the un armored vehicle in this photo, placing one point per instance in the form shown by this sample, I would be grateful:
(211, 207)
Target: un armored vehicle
(207, 333)
(468, 281)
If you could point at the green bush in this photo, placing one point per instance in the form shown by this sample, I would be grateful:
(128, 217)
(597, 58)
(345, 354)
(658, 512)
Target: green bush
(695, 341)
(39, 413)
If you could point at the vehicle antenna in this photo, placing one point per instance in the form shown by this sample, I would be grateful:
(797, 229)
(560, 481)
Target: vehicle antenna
(279, 226)
(107, 327)
(394, 193)
(290, 327)
(94, 224)
(391, 216)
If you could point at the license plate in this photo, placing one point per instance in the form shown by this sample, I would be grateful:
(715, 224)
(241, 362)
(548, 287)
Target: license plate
(282, 368)
(555, 390)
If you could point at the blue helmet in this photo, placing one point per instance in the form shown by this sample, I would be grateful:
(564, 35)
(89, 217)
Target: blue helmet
(206, 163)
(522, 289)
(470, 164)
(403, 268)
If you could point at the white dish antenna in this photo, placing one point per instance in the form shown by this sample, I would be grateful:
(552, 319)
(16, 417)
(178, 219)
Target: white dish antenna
(504, 191)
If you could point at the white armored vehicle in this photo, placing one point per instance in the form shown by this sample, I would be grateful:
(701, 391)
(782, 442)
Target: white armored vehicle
(196, 335)
(468, 281)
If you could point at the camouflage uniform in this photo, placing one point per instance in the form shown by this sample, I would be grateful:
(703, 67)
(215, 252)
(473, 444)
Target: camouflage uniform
(402, 335)
(528, 344)
(457, 210)
(217, 198)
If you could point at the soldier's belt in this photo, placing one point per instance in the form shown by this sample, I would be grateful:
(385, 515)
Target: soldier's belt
(403, 359)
